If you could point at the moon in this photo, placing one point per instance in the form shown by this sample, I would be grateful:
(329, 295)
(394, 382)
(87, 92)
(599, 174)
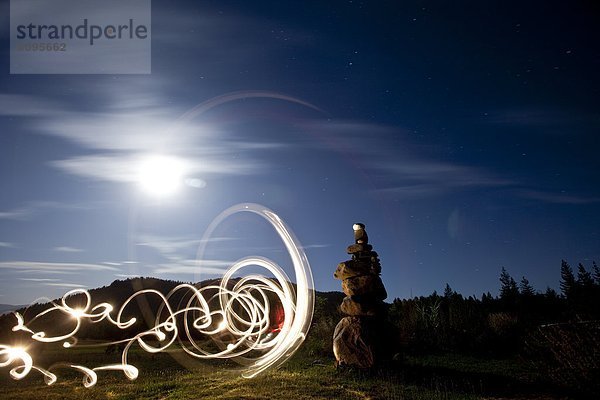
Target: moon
(160, 175)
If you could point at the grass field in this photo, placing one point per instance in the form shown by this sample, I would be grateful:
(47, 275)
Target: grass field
(302, 377)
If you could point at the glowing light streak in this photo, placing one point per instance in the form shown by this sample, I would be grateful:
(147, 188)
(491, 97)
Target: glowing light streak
(234, 314)
(239, 95)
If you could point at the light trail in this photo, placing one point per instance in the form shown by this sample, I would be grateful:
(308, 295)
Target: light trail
(241, 95)
(234, 315)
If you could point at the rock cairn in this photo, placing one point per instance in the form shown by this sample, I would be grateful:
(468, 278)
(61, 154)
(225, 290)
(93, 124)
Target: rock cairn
(357, 339)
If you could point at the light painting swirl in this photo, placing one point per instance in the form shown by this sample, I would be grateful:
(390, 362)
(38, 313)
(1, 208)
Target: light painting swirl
(231, 319)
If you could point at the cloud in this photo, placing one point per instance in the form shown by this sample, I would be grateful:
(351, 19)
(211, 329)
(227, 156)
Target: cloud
(100, 167)
(316, 246)
(177, 252)
(123, 137)
(557, 198)
(29, 266)
(170, 245)
(38, 279)
(30, 209)
(429, 170)
(348, 136)
(421, 178)
(67, 249)
(136, 119)
(396, 164)
(208, 267)
(127, 276)
(16, 214)
(65, 285)
(7, 245)
(539, 117)
(118, 167)
(21, 105)
(413, 191)
(138, 130)
(52, 282)
(44, 271)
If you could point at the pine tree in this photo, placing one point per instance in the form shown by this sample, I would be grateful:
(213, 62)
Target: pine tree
(568, 284)
(585, 287)
(584, 277)
(596, 273)
(551, 293)
(448, 292)
(487, 297)
(508, 288)
(504, 281)
(525, 288)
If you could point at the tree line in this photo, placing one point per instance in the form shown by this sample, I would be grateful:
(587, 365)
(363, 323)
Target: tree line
(557, 333)
(494, 325)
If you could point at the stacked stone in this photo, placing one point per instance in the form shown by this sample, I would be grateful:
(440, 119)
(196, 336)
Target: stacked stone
(355, 340)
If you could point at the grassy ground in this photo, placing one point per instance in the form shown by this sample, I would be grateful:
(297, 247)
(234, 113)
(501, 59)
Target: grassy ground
(303, 377)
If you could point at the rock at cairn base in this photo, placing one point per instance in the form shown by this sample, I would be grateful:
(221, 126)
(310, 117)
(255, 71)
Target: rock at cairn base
(349, 345)
(355, 336)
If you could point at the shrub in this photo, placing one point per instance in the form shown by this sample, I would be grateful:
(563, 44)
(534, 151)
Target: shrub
(568, 354)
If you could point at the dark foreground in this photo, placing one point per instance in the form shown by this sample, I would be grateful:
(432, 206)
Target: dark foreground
(303, 377)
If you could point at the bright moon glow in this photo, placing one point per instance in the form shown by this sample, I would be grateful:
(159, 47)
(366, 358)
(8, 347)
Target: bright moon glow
(160, 175)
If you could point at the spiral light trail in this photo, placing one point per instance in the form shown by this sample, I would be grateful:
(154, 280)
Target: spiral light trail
(234, 314)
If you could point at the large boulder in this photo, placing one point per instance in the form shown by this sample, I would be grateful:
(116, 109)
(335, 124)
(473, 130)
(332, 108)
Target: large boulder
(365, 284)
(359, 248)
(351, 344)
(350, 268)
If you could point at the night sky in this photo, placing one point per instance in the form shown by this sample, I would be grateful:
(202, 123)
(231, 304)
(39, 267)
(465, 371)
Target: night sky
(463, 134)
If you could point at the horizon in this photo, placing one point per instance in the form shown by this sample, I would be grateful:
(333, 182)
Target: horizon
(388, 300)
